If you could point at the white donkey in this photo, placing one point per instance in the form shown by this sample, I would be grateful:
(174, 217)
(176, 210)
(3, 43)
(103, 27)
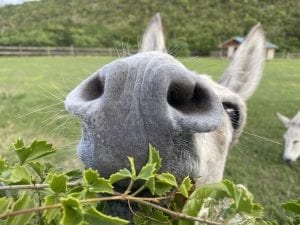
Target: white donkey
(291, 137)
(150, 97)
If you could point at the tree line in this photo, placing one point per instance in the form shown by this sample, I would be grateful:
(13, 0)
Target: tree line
(192, 27)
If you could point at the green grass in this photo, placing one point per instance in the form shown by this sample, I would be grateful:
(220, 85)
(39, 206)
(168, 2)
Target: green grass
(32, 91)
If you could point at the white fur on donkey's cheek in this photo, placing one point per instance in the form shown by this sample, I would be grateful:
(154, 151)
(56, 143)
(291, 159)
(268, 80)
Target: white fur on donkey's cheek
(213, 155)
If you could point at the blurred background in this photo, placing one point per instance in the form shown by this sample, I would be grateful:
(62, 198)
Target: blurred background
(192, 27)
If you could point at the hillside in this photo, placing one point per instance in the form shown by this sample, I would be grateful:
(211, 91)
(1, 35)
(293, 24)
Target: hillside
(191, 26)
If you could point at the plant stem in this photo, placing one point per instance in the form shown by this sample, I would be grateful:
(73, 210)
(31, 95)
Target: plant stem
(128, 190)
(33, 186)
(138, 190)
(143, 201)
(177, 215)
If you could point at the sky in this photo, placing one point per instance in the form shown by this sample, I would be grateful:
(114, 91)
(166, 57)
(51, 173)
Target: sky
(12, 2)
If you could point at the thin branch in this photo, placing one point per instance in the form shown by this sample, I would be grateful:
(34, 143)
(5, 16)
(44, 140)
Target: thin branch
(138, 190)
(175, 214)
(33, 186)
(128, 190)
(143, 201)
(25, 211)
(58, 205)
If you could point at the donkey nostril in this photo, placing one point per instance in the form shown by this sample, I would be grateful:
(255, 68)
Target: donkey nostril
(93, 89)
(288, 161)
(188, 99)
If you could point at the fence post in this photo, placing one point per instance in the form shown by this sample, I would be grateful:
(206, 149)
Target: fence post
(48, 51)
(72, 50)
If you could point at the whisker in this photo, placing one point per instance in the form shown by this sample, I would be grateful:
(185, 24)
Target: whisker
(53, 117)
(59, 89)
(264, 138)
(40, 109)
(51, 94)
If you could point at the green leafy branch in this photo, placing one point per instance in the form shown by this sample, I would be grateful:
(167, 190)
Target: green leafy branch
(79, 197)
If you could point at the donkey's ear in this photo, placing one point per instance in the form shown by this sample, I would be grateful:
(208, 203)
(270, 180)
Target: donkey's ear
(283, 119)
(153, 38)
(245, 70)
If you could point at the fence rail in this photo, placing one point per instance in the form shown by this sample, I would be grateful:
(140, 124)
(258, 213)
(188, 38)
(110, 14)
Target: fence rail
(287, 55)
(61, 51)
(80, 51)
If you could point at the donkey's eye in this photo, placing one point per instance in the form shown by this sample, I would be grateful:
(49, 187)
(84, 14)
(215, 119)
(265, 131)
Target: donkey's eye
(295, 142)
(233, 112)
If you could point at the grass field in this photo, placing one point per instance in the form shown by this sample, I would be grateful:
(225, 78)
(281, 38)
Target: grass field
(32, 91)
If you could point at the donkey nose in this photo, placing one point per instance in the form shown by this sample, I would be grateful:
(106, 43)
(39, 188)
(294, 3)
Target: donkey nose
(185, 100)
(288, 161)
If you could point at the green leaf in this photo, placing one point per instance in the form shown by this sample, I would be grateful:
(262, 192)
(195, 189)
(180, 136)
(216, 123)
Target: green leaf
(58, 183)
(162, 188)
(167, 178)
(121, 175)
(185, 187)
(148, 216)
(37, 150)
(4, 205)
(262, 222)
(19, 144)
(150, 184)
(140, 219)
(21, 150)
(20, 175)
(146, 172)
(94, 217)
(41, 169)
(154, 158)
(233, 191)
(37, 167)
(3, 164)
(246, 204)
(145, 209)
(74, 174)
(72, 212)
(292, 205)
(51, 214)
(84, 223)
(257, 210)
(132, 167)
(158, 218)
(195, 201)
(97, 183)
(25, 202)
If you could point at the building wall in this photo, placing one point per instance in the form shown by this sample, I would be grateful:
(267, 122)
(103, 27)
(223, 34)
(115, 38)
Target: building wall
(230, 51)
(270, 53)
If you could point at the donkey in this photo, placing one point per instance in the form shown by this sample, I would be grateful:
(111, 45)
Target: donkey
(150, 97)
(291, 137)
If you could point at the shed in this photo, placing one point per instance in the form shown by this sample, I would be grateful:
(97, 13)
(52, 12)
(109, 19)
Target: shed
(228, 48)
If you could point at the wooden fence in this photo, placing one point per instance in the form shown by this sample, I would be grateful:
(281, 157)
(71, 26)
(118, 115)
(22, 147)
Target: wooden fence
(280, 55)
(287, 55)
(78, 51)
(61, 51)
